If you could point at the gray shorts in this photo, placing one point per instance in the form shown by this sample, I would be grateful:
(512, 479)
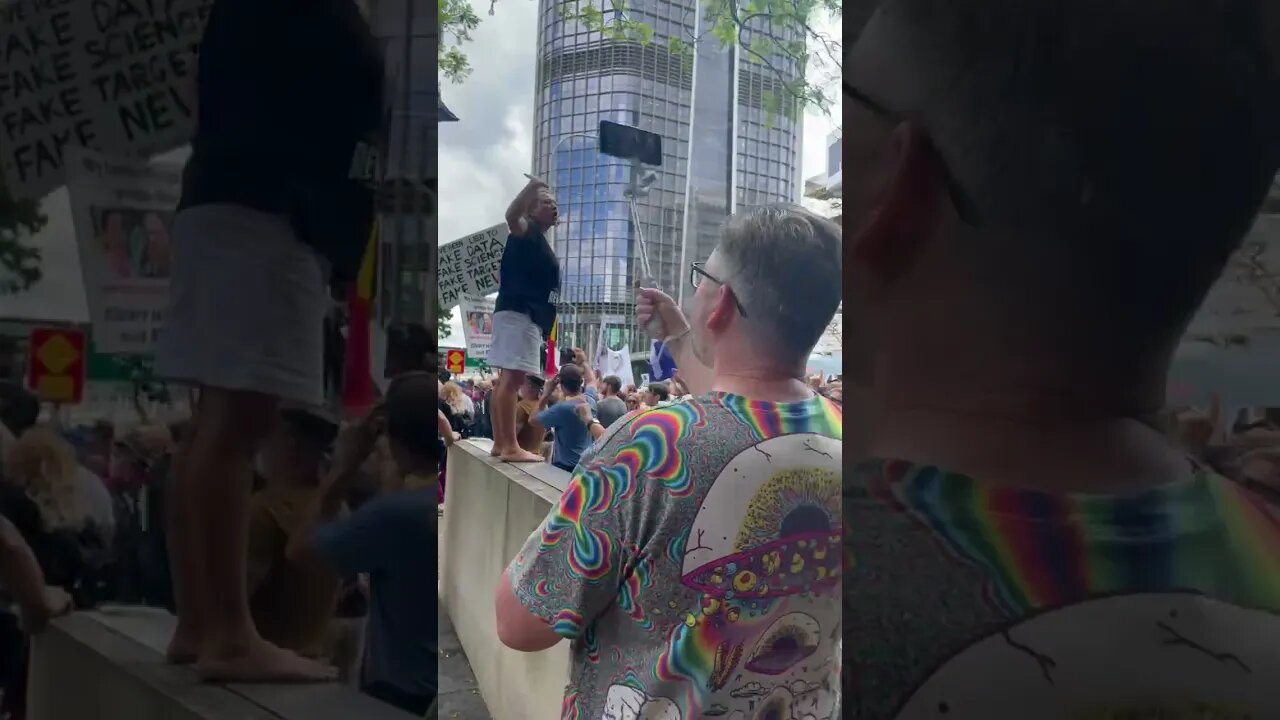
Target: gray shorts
(517, 343)
(247, 302)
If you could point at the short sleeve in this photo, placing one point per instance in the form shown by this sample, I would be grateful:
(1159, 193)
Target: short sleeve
(554, 416)
(570, 570)
(359, 542)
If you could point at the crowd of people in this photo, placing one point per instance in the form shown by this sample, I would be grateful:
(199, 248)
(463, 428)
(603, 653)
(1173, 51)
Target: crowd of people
(597, 400)
(340, 521)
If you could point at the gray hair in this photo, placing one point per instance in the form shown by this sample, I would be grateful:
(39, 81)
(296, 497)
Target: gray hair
(1120, 145)
(784, 265)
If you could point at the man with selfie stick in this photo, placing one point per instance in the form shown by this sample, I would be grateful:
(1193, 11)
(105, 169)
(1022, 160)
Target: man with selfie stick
(525, 312)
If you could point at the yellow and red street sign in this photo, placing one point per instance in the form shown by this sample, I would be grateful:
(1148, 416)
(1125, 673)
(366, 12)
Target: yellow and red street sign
(56, 364)
(455, 361)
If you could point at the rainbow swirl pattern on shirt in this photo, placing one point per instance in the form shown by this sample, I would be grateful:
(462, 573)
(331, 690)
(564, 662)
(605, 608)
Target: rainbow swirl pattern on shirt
(1042, 550)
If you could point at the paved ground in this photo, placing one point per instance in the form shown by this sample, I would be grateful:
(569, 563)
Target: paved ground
(459, 695)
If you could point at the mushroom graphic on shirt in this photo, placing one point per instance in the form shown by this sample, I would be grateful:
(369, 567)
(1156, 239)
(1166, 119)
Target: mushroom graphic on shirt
(764, 546)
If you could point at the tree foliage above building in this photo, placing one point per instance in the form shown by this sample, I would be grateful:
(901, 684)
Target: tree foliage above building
(802, 64)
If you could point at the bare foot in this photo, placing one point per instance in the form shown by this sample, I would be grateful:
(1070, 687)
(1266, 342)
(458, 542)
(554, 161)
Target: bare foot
(496, 450)
(184, 648)
(263, 662)
(520, 455)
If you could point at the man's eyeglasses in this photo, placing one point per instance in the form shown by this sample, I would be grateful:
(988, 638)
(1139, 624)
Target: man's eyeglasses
(965, 208)
(698, 270)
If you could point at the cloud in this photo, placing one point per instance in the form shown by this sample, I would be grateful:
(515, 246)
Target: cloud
(752, 689)
(483, 156)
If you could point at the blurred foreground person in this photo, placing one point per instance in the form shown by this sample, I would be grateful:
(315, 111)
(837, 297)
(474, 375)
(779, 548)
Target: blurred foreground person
(1036, 211)
(270, 221)
(696, 549)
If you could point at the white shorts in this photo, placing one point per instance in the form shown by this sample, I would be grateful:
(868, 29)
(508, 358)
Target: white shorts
(247, 302)
(517, 343)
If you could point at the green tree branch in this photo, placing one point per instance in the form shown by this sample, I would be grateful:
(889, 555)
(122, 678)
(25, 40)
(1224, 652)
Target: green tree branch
(19, 263)
(780, 36)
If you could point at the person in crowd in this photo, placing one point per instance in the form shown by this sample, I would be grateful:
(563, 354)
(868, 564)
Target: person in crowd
(1036, 212)
(410, 348)
(530, 433)
(572, 435)
(461, 407)
(656, 395)
(23, 580)
(19, 410)
(41, 468)
(483, 424)
(391, 539)
(292, 604)
(630, 564)
(589, 377)
(611, 406)
(529, 286)
(633, 402)
(270, 224)
(45, 520)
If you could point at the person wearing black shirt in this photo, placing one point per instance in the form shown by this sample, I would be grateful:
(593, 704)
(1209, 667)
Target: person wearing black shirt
(528, 289)
(272, 218)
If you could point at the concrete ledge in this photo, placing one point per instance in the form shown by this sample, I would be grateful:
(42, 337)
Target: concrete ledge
(491, 509)
(116, 658)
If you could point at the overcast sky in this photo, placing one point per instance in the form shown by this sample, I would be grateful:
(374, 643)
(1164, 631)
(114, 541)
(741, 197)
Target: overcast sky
(483, 155)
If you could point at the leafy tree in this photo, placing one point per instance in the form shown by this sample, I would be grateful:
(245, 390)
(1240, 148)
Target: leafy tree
(19, 263)
(442, 322)
(830, 196)
(742, 23)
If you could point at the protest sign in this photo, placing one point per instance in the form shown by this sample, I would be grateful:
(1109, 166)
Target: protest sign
(477, 325)
(111, 75)
(469, 265)
(123, 214)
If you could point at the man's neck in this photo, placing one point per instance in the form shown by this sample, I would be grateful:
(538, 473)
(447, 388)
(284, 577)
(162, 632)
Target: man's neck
(763, 385)
(1027, 442)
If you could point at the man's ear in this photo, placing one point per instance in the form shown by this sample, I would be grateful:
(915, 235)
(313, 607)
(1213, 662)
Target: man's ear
(724, 308)
(906, 207)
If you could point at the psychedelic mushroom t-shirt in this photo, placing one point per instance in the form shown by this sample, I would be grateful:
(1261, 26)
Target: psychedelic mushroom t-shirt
(694, 561)
(965, 600)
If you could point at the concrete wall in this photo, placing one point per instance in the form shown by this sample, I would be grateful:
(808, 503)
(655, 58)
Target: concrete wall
(490, 510)
(109, 665)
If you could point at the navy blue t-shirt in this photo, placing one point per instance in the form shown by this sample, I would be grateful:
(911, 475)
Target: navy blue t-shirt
(393, 539)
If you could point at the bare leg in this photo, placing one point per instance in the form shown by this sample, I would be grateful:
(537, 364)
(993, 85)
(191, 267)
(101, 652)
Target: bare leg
(499, 415)
(505, 396)
(182, 535)
(217, 473)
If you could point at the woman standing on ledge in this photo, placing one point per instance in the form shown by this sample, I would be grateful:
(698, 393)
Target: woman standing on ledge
(290, 101)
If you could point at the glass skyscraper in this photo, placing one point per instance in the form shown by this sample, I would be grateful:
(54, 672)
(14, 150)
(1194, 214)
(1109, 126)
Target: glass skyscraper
(722, 153)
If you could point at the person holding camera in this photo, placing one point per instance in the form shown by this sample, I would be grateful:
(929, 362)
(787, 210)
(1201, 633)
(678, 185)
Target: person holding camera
(525, 312)
(573, 434)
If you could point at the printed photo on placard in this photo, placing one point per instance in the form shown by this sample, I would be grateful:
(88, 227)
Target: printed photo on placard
(135, 242)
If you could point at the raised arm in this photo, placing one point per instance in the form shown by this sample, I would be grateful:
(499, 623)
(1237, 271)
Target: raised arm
(517, 211)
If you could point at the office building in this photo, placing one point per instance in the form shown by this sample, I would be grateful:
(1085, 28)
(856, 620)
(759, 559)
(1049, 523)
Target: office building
(722, 152)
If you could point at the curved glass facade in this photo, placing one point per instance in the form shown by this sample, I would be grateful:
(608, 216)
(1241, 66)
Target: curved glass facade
(721, 153)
